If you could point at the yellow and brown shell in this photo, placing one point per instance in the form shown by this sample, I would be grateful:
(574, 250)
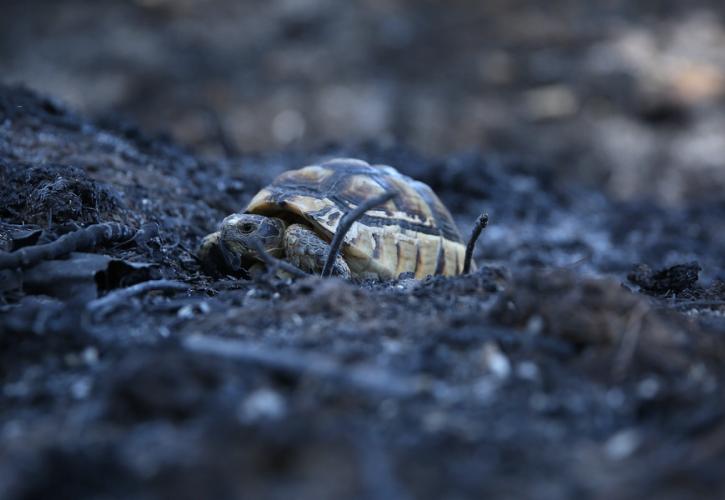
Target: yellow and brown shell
(413, 232)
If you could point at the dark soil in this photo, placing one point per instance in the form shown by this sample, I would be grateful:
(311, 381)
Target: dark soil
(557, 370)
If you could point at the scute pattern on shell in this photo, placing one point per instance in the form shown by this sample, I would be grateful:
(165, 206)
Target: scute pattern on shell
(414, 232)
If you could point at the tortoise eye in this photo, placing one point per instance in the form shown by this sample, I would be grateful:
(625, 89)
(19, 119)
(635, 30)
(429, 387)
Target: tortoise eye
(247, 227)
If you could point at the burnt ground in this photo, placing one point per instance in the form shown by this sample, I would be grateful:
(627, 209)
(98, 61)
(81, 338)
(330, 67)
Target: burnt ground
(584, 357)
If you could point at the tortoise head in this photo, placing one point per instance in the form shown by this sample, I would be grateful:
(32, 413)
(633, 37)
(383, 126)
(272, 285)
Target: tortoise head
(240, 235)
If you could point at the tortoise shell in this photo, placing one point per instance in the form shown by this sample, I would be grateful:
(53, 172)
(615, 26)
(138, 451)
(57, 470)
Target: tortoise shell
(413, 232)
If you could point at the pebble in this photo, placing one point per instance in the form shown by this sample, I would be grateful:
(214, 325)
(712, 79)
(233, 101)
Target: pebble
(528, 370)
(263, 404)
(622, 444)
(496, 361)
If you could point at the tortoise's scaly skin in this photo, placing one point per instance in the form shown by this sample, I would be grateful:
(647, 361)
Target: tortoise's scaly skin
(307, 251)
(414, 232)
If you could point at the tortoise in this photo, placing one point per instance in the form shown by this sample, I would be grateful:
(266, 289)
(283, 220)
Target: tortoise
(298, 214)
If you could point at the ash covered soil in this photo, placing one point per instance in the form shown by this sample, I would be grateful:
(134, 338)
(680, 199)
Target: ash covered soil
(583, 357)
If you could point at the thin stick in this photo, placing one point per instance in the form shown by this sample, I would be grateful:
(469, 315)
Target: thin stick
(273, 262)
(629, 341)
(481, 224)
(82, 239)
(698, 303)
(346, 223)
(113, 299)
(369, 379)
(221, 133)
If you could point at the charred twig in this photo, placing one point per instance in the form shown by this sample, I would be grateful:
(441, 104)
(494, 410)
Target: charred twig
(481, 224)
(274, 263)
(111, 301)
(221, 134)
(82, 239)
(346, 223)
(698, 303)
(365, 378)
(629, 341)
(43, 317)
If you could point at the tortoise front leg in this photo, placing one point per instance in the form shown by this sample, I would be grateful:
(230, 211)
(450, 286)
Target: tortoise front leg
(307, 251)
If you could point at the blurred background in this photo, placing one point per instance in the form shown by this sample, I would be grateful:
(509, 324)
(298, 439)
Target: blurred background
(625, 95)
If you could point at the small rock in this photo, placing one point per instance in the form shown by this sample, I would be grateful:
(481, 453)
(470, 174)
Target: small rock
(90, 355)
(622, 444)
(527, 370)
(263, 404)
(496, 361)
(648, 388)
(81, 388)
(191, 310)
(186, 312)
(535, 324)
